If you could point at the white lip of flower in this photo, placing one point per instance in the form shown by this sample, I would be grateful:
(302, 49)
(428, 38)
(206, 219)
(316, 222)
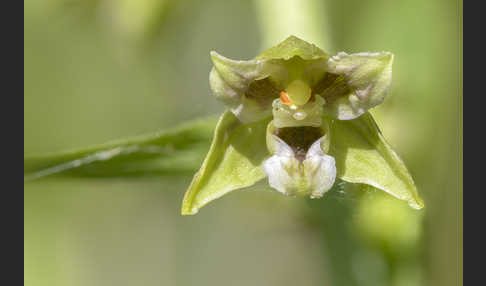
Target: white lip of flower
(315, 175)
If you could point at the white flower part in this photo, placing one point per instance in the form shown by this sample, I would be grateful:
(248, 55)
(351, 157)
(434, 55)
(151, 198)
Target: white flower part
(320, 169)
(314, 176)
(282, 168)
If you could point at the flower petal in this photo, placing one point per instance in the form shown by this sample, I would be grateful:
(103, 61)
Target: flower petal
(282, 169)
(314, 176)
(230, 80)
(362, 82)
(320, 169)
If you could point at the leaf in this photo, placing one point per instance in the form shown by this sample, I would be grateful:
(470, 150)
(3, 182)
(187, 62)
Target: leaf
(177, 150)
(234, 161)
(363, 156)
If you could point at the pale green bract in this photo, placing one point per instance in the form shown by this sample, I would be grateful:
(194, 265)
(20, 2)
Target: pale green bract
(298, 119)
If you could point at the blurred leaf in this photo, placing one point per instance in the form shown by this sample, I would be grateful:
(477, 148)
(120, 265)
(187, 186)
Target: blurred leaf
(363, 156)
(177, 150)
(387, 223)
(305, 19)
(137, 20)
(234, 161)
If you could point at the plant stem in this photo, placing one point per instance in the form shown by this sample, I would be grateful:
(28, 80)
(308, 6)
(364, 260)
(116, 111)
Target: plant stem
(305, 19)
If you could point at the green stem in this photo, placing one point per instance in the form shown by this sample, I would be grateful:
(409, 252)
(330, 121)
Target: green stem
(305, 19)
(332, 216)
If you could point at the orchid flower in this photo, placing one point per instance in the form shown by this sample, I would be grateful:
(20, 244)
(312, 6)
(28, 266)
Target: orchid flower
(298, 119)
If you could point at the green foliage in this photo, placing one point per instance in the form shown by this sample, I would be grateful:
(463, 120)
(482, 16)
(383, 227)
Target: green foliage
(179, 150)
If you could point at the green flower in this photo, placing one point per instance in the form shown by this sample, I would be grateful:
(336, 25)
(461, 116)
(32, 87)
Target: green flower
(298, 120)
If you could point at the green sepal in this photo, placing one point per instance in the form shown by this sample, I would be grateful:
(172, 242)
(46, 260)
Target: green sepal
(291, 47)
(234, 161)
(363, 156)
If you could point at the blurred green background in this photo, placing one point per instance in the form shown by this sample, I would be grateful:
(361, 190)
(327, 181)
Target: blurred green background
(99, 70)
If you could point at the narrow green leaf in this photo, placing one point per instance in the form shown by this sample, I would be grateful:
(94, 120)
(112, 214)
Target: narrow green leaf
(234, 161)
(177, 150)
(363, 156)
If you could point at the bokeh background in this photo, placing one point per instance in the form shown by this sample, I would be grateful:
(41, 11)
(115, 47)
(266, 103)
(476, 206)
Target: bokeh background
(97, 70)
